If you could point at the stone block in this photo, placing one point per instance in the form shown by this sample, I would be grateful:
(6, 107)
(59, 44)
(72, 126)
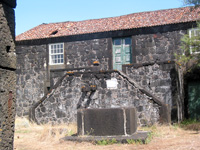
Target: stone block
(108, 121)
(7, 45)
(10, 3)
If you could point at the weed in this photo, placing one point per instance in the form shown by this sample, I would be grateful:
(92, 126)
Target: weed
(175, 126)
(149, 138)
(189, 121)
(190, 124)
(107, 142)
(132, 141)
(22, 131)
(90, 132)
(70, 132)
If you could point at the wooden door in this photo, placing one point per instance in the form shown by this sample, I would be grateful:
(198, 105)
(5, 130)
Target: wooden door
(121, 52)
(194, 100)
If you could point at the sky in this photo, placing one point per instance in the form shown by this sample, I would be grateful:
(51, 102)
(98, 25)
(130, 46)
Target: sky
(31, 13)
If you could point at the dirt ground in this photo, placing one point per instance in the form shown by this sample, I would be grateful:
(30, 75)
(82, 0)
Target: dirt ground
(33, 137)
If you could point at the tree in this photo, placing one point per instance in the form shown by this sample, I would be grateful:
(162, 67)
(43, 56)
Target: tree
(192, 2)
(190, 49)
(190, 43)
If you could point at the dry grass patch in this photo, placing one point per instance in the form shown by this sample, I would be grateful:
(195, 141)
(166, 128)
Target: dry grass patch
(34, 137)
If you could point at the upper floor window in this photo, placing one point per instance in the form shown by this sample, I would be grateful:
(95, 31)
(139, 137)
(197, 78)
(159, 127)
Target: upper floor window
(194, 35)
(56, 53)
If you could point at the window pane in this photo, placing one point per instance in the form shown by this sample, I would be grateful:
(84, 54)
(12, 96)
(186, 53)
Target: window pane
(196, 32)
(128, 58)
(118, 51)
(117, 42)
(127, 41)
(56, 54)
(118, 59)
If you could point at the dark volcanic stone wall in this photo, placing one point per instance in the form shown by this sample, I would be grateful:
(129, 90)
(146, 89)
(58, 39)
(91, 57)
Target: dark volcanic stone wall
(156, 78)
(83, 53)
(31, 76)
(60, 106)
(7, 74)
(149, 45)
(157, 47)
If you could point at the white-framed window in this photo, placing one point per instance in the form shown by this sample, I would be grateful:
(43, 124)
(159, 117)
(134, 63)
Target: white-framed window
(194, 34)
(56, 53)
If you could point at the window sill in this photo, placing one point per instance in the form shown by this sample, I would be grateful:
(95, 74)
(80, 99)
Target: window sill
(57, 66)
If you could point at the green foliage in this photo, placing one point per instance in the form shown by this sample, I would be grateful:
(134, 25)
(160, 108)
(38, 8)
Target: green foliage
(188, 122)
(149, 138)
(175, 126)
(130, 141)
(137, 142)
(189, 45)
(22, 131)
(192, 2)
(107, 142)
(70, 132)
(90, 132)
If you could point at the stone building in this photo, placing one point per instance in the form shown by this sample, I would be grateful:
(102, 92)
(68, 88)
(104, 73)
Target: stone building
(135, 52)
(7, 73)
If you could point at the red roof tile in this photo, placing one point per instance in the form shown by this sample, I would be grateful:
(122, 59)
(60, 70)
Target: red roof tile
(135, 20)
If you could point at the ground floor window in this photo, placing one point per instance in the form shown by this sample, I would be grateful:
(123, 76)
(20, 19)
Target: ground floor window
(121, 52)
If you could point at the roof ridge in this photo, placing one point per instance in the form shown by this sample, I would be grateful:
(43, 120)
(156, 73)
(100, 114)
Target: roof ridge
(129, 21)
(124, 15)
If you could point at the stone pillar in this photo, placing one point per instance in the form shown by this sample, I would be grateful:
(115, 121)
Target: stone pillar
(7, 73)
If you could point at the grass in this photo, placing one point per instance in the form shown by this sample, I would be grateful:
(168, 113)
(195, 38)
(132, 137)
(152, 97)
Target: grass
(107, 142)
(190, 124)
(30, 136)
(45, 131)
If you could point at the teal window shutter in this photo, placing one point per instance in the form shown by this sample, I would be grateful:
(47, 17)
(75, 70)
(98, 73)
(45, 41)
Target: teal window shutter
(121, 52)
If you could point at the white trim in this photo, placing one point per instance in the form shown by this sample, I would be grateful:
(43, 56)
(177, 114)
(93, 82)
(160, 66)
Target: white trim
(57, 52)
(196, 33)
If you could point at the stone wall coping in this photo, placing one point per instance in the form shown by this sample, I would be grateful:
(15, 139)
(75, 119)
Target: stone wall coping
(136, 65)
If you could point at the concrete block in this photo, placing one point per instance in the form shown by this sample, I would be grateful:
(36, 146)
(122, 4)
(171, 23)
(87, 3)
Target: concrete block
(108, 121)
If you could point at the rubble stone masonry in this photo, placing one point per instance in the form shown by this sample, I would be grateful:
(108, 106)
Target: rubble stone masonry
(7, 73)
(149, 45)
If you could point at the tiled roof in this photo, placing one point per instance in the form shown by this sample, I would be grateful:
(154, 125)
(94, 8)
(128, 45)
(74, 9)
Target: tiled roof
(135, 20)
